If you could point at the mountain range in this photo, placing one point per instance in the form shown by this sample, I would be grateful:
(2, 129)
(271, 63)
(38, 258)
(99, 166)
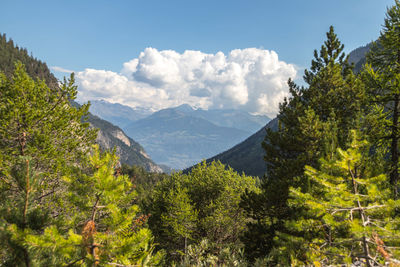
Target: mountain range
(182, 136)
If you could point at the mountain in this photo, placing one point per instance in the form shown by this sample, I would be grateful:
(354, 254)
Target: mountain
(181, 136)
(129, 151)
(116, 113)
(109, 135)
(358, 56)
(248, 156)
(238, 119)
(177, 138)
(123, 115)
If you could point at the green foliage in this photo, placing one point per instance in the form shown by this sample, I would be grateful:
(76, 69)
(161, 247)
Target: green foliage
(143, 181)
(41, 139)
(348, 215)
(103, 228)
(180, 217)
(203, 204)
(201, 255)
(40, 122)
(326, 198)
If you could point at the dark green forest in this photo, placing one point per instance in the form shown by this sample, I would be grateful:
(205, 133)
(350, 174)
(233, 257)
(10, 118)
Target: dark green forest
(330, 195)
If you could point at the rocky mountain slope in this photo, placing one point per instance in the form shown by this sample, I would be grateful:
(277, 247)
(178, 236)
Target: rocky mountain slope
(129, 151)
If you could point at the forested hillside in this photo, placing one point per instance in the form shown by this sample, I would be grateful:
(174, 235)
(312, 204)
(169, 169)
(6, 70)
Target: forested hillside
(109, 136)
(248, 156)
(10, 53)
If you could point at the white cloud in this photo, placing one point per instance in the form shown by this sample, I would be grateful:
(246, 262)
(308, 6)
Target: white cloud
(251, 79)
(60, 69)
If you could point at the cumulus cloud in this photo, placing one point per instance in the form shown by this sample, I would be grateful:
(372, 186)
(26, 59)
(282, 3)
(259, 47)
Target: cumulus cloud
(250, 79)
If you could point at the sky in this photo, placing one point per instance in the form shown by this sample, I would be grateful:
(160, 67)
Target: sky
(210, 54)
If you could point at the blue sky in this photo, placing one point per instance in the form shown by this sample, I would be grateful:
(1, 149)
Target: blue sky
(104, 34)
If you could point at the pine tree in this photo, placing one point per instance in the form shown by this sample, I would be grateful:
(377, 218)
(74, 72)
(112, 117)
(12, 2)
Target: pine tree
(346, 218)
(41, 139)
(330, 104)
(180, 216)
(106, 227)
(382, 76)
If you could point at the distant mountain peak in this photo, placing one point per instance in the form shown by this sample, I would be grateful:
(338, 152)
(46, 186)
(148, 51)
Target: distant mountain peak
(184, 108)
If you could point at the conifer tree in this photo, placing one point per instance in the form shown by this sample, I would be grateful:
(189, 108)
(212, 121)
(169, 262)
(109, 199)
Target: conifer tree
(104, 229)
(180, 217)
(382, 75)
(41, 139)
(313, 121)
(348, 217)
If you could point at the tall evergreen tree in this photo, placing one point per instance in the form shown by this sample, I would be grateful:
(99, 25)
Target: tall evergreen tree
(348, 217)
(41, 139)
(313, 122)
(383, 79)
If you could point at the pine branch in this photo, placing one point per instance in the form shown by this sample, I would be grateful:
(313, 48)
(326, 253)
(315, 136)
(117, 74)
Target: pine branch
(122, 265)
(74, 262)
(357, 208)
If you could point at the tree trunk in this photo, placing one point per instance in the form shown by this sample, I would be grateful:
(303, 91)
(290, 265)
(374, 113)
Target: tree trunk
(185, 245)
(27, 260)
(25, 211)
(365, 248)
(394, 173)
